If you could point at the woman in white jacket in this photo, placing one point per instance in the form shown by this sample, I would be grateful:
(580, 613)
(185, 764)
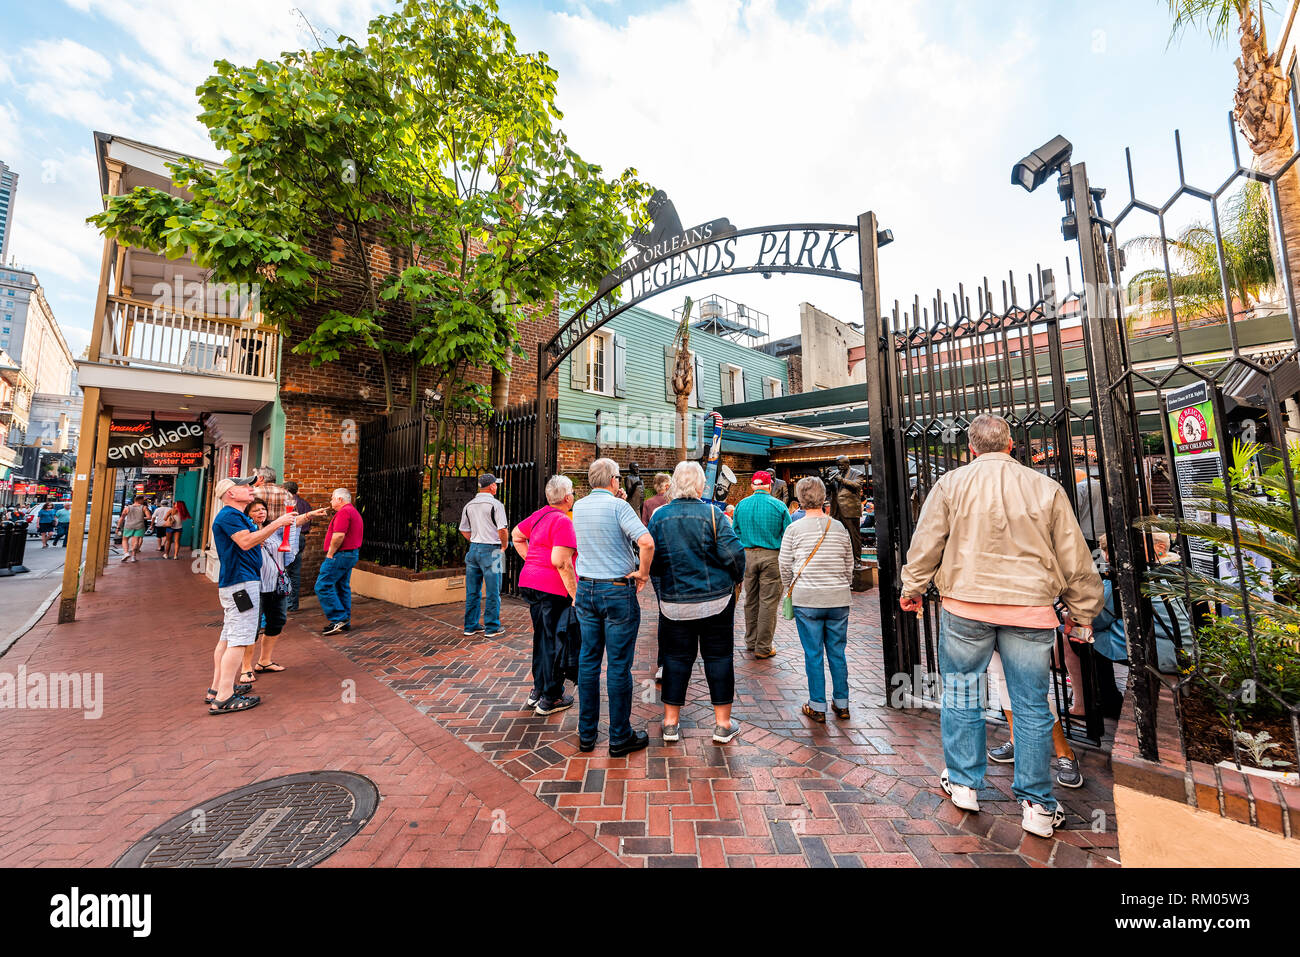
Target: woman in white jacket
(274, 613)
(816, 564)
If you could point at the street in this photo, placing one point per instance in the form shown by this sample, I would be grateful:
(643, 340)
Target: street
(21, 596)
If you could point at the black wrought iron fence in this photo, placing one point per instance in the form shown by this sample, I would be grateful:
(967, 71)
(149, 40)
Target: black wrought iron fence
(418, 467)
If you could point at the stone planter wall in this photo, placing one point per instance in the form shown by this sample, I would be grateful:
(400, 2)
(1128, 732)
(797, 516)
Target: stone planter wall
(442, 586)
(1180, 813)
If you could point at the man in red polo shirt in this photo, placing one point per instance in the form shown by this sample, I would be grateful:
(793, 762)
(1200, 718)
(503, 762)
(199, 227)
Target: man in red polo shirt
(342, 542)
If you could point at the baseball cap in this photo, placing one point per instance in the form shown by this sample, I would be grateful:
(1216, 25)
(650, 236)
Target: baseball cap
(762, 478)
(487, 479)
(226, 484)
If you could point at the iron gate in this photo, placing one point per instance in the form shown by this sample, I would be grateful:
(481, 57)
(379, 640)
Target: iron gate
(411, 458)
(1176, 392)
(943, 364)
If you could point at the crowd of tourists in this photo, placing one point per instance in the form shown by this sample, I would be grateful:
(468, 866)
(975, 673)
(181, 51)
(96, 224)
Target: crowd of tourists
(586, 560)
(258, 534)
(999, 541)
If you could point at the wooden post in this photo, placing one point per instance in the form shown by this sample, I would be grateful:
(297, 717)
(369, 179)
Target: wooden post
(80, 498)
(101, 503)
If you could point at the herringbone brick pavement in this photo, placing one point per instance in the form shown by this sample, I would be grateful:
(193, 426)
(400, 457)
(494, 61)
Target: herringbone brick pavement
(786, 792)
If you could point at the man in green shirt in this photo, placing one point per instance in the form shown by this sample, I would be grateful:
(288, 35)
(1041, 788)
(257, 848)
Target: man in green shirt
(760, 521)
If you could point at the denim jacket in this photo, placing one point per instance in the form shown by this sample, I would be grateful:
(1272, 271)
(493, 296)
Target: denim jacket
(691, 564)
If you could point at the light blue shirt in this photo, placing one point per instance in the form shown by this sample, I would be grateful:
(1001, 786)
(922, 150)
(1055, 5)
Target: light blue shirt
(607, 529)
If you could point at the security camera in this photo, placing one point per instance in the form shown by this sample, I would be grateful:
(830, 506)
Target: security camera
(1032, 171)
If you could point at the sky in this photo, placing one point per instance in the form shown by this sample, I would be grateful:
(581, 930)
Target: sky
(762, 111)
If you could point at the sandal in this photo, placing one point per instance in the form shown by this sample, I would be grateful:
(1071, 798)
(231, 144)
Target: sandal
(235, 703)
(251, 679)
(239, 689)
(841, 713)
(818, 716)
(270, 667)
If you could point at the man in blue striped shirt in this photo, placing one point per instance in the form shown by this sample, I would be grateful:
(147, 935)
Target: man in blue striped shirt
(610, 575)
(760, 521)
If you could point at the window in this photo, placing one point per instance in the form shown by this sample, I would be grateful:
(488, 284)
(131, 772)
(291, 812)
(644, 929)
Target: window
(598, 362)
(733, 384)
(772, 387)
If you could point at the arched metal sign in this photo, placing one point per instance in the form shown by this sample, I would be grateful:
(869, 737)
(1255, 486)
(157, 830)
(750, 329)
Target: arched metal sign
(668, 256)
(709, 251)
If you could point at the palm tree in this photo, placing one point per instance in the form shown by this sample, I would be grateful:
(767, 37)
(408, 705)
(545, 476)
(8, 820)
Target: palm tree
(683, 376)
(1260, 106)
(1196, 289)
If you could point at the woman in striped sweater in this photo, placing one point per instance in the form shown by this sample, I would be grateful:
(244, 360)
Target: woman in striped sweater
(817, 568)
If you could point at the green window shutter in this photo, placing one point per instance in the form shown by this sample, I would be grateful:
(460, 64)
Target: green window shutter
(767, 387)
(620, 366)
(578, 367)
(668, 374)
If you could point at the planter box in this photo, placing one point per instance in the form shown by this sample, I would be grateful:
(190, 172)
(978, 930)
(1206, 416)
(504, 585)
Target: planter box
(1179, 813)
(443, 586)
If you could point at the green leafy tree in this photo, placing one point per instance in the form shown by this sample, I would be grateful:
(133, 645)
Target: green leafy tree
(427, 160)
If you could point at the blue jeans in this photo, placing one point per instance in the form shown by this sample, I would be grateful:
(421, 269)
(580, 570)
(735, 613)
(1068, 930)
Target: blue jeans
(824, 628)
(483, 566)
(965, 648)
(333, 585)
(610, 617)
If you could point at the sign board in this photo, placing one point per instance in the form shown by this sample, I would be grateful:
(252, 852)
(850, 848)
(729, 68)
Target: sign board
(454, 493)
(147, 443)
(236, 461)
(1197, 461)
(161, 471)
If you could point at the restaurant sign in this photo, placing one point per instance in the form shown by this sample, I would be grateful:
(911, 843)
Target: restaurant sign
(149, 443)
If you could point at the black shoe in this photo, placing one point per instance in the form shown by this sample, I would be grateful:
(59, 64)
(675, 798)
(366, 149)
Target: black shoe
(334, 628)
(585, 746)
(638, 741)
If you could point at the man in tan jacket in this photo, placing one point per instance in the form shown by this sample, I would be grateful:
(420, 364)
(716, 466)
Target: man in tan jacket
(1001, 543)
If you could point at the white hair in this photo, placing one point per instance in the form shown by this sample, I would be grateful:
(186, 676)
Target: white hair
(266, 473)
(558, 488)
(601, 473)
(343, 494)
(687, 481)
(811, 492)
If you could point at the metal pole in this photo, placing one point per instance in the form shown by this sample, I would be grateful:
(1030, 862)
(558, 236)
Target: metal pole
(1101, 338)
(882, 452)
(539, 438)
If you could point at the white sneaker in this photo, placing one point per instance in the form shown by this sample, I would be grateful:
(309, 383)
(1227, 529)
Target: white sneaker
(962, 796)
(659, 675)
(1036, 819)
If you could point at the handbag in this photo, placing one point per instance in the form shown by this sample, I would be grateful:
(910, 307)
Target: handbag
(787, 604)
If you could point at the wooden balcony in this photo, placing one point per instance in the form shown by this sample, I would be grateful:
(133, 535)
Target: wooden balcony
(142, 335)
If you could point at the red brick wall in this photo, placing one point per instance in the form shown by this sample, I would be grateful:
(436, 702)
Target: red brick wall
(325, 406)
(794, 363)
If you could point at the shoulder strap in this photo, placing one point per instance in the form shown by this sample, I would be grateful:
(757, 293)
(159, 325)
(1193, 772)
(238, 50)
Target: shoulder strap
(795, 580)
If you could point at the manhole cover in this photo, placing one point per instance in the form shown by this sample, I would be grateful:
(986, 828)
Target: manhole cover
(294, 821)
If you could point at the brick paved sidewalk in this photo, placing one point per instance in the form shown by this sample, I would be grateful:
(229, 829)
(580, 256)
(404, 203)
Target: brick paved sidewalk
(438, 726)
(786, 792)
(79, 792)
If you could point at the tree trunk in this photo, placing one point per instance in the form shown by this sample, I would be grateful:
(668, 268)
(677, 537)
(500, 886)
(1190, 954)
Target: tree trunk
(1263, 113)
(1287, 217)
(682, 401)
(501, 390)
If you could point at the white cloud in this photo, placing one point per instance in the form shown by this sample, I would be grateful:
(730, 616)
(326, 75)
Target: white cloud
(738, 109)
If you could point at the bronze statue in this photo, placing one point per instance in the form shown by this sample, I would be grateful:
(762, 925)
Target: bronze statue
(845, 486)
(634, 487)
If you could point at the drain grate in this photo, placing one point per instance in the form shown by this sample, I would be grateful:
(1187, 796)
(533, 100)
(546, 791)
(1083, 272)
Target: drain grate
(293, 821)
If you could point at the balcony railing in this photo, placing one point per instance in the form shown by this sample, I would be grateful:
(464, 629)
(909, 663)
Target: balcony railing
(142, 335)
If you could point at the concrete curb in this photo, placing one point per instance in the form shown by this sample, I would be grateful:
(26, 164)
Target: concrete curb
(30, 623)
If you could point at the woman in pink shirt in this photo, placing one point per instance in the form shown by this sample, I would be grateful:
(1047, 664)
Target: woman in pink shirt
(546, 542)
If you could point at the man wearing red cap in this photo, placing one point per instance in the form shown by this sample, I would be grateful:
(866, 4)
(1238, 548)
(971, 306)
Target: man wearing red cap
(760, 521)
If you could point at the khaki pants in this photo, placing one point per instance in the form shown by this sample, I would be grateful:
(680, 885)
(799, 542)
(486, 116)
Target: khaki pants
(762, 596)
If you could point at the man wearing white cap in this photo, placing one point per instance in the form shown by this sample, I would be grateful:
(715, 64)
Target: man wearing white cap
(237, 540)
